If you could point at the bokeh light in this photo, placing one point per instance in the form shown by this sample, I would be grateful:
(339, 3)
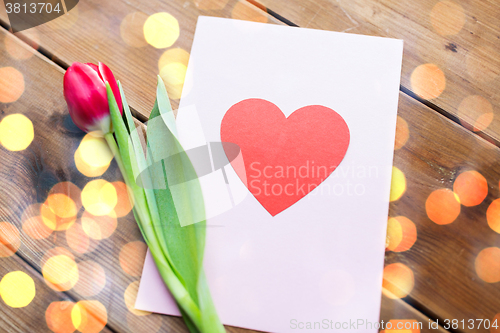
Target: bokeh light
(9, 239)
(19, 50)
(442, 206)
(394, 234)
(402, 133)
(398, 184)
(447, 18)
(475, 113)
(62, 205)
(93, 156)
(58, 317)
(172, 67)
(94, 151)
(401, 234)
(471, 188)
(123, 204)
(78, 240)
(59, 269)
(16, 131)
(428, 81)
(130, 296)
(89, 316)
(92, 279)
(98, 227)
(487, 265)
(70, 190)
(131, 29)
(493, 215)
(17, 289)
(35, 228)
(398, 281)
(99, 197)
(132, 257)
(243, 10)
(58, 213)
(11, 84)
(161, 30)
(86, 169)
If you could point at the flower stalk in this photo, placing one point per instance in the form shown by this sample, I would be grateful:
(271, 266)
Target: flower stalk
(96, 102)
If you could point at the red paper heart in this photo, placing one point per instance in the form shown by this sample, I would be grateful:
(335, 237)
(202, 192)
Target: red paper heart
(284, 158)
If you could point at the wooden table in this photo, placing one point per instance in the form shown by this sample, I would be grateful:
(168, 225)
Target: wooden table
(443, 260)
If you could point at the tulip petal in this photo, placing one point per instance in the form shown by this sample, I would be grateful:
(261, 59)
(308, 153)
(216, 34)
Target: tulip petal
(94, 67)
(85, 94)
(107, 76)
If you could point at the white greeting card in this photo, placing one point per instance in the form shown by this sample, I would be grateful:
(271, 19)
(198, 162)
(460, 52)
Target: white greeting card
(298, 191)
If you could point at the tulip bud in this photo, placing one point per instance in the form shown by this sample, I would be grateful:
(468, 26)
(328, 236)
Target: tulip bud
(85, 94)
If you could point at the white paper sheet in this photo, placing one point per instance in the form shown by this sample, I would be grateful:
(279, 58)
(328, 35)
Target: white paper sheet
(320, 260)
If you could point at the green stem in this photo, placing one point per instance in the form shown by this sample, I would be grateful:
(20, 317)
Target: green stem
(177, 289)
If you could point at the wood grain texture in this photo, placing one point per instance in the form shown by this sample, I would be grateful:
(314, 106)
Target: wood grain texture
(436, 153)
(395, 310)
(48, 161)
(443, 257)
(95, 31)
(30, 318)
(467, 56)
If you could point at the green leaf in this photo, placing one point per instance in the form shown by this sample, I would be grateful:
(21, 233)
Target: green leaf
(178, 200)
(183, 232)
(169, 206)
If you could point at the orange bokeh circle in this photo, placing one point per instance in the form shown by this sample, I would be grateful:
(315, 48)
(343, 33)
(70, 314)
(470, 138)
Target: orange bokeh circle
(471, 188)
(398, 281)
(487, 265)
(442, 206)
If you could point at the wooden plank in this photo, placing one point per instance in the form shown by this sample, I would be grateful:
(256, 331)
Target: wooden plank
(433, 123)
(447, 284)
(461, 39)
(49, 161)
(116, 38)
(394, 310)
(33, 315)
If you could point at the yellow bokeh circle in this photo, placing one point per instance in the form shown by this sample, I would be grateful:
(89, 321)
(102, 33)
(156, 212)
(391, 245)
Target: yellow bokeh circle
(99, 197)
(173, 68)
(398, 184)
(16, 132)
(93, 156)
(17, 289)
(60, 272)
(89, 316)
(161, 30)
(95, 152)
